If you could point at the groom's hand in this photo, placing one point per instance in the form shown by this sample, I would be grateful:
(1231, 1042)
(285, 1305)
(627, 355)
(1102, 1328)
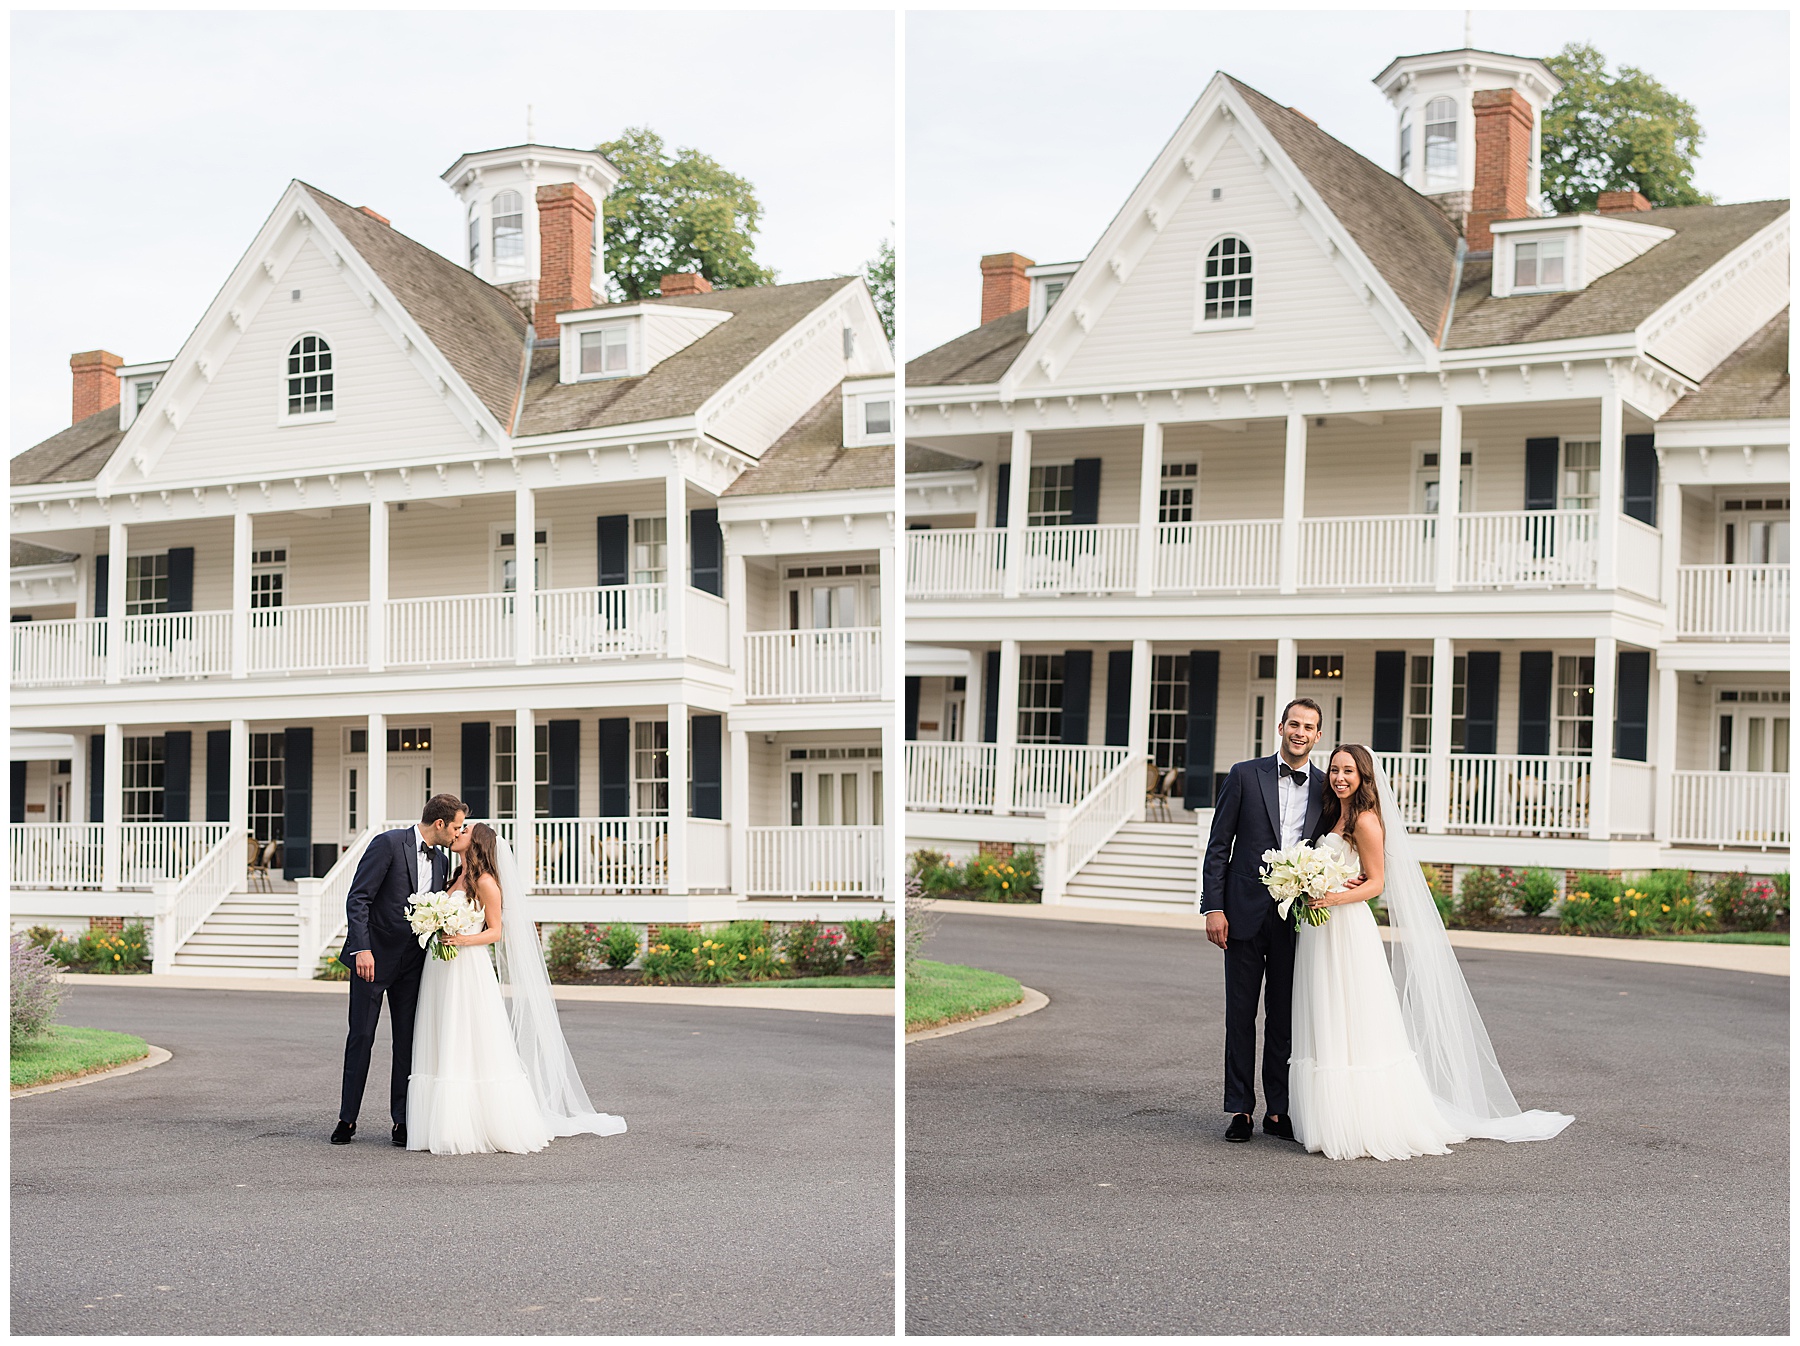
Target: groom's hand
(365, 964)
(1217, 927)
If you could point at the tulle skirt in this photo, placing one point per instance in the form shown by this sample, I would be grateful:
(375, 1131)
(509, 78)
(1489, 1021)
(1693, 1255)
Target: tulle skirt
(1354, 1086)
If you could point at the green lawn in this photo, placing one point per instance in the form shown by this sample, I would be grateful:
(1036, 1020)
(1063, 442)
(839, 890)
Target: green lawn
(1736, 937)
(67, 1052)
(872, 982)
(941, 993)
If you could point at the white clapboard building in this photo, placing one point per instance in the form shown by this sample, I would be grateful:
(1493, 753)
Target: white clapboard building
(267, 595)
(1162, 489)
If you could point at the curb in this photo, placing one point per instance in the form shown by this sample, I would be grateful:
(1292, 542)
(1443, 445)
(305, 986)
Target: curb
(156, 1057)
(1032, 1002)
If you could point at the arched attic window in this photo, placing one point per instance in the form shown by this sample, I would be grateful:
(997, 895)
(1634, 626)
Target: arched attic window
(509, 234)
(310, 377)
(1226, 281)
(1440, 140)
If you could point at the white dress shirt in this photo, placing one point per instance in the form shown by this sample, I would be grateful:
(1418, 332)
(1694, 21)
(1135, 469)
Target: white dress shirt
(422, 859)
(1291, 798)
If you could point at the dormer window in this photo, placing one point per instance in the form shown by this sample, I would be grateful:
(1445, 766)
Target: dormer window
(605, 351)
(144, 388)
(509, 234)
(1440, 140)
(878, 417)
(1053, 291)
(1539, 265)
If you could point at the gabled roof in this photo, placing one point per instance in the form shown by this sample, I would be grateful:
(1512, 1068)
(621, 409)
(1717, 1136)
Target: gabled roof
(75, 454)
(811, 456)
(1617, 301)
(680, 384)
(920, 459)
(981, 356)
(31, 554)
(1750, 384)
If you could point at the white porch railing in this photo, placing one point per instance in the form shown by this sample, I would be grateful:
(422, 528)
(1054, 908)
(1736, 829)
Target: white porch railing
(1731, 808)
(1051, 775)
(1226, 554)
(1410, 775)
(1511, 792)
(1732, 602)
(1077, 834)
(469, 629)
(708, 628)
(963, 777)
(177, 645)
(612, 622)
(309, 638)
(55, 855)
(1640, 558)
(833, 664)
(951, 777)
(1089, 558)
(1633, 805)
(149, 852)
(323, 919)
(708, 855)
(1393, 551)
(803, 862)
(955, 562)
(59, 653)
(184, 903)
(605, 855)
(1526, 548)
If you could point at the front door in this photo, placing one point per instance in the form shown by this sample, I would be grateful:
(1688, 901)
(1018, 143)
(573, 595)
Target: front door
(409, 786)
(834, 791)
(1751, 735)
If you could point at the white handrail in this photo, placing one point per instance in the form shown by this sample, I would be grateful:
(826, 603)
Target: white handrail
(832, 663)
(1218, 554)
(1392, 551)
(614, 621)
(1731, 808)
(608, 855)
(55, 855)
(464, 629)
(1515, 792)
(955, 562)
(309, 638)
(177, 645)
(821, 862)
(1732, 602)
(955, 777)
(1088, 558)
(59, 653)
(1077, 834)
(1527, 548)
(184, 904)
(152, 851)
(324, 917)
(1051, 775)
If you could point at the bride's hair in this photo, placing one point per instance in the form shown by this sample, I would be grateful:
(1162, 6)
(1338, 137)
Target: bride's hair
(482, 857)
(1363, 798)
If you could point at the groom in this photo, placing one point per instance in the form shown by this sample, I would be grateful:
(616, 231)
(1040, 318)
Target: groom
(383, 954)
(1268, 803)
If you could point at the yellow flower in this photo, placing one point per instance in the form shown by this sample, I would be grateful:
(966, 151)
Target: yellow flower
(1634, 911)
(1665, 906)
(1005, 884)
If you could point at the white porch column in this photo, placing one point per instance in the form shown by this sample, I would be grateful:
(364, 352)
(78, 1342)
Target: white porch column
(890, 622)
(243, 525)
(376, 789)
(1606, 683)
(1137, 736)
(678, 796)
(1293, 503)
(525, 793)
(1612, 486)
(378, 587)
(1443, 682)
(112, 806)
(524, 574)
(675, 619)
(1018, 509)
(1662, 748)
(78, 781)
(1149, 506)
(737, 809)
(975, 697)
(237, 778)
(1006, 726)
(1287, 655)
(1668, 523)
(1450, 438)
(737, 598)
(116, 542)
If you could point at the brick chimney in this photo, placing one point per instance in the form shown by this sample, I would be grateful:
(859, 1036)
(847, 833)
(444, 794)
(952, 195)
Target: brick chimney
(1005, 288)
(96, 382)
(686, 282)
(565, 255)
(1622, 203)
(383, 219)
(1502, 164)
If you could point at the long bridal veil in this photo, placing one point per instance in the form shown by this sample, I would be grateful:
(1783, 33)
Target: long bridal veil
(536, 1031)
(1442, 1023)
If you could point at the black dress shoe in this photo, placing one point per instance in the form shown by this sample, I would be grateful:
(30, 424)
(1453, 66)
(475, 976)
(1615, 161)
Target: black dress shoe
(1282, 1126)
(345, 1133)
(400, 1135)
(1241, 1127)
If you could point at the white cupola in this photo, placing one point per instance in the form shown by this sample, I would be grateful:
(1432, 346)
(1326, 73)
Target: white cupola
(498, 190)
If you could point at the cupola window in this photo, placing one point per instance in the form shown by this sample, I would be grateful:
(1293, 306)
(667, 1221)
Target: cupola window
(1227, 281)
(309, 377)
(1440, 139)
(509, 234)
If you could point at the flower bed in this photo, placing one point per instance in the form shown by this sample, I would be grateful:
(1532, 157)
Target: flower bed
(983, 878)
(852, 952)
(102, 951)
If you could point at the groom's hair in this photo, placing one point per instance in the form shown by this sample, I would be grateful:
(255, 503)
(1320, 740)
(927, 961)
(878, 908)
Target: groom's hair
(1306, 701)
(442, 809)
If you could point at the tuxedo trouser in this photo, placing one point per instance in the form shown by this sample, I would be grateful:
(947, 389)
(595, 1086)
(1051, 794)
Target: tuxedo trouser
(365, 1014)
(1265, 958)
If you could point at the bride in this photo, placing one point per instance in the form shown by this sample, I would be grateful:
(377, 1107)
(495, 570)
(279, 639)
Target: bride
(1388, 1064)
(483, 1080)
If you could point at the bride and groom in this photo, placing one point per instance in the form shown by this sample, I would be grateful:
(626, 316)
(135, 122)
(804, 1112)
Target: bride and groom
(469, 1077)
(1376, 1061)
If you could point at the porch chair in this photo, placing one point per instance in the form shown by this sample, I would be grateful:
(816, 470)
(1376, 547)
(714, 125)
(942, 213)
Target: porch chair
(262, 853)
(1156, 793)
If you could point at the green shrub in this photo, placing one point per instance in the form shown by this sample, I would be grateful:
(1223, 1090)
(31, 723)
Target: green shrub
(619, 945)
(568, 952)
(1483, 896)
(1440, 893)
(329, 968)
(881, 958)
(1591, 905)
(102, 951)
(1744, 902)
(1689, 916)
(42, 937)
(813, 950)
(1638, 912)
(1534, 891)
(740, 951)
(922, 860)
(670, 957)
(989, 878)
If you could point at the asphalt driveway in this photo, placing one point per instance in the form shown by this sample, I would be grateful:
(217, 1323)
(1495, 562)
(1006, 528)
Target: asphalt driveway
(1066, 1172)
(752, 1194)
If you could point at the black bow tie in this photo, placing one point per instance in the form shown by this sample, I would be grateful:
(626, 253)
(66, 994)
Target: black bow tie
(1298, 773)
(424, 849)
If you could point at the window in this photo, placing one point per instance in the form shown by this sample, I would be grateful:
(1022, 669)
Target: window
(1176, 502)
(146, 584)
(506, 796)
(474, 237)
(1053, 291)
(1405, 145)
(606, 351)
(143, 780)
(144, 388)
(1168, 710)
(650, 768)
(1440, 140)
(878, 418)
(1040, 698)
(506, 556)
(509, 234)
(1051, 498)
(649, 549)
(1581, 473)
(1227, 281)
(1574, 705)
(1757, 532)
(268, 577)
(1538, 265)
(268, 809)
(1418, 702)
(309, 377)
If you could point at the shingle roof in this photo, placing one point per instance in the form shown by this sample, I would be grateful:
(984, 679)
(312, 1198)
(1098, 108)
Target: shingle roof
(678, 385)
(811, 456)
(75, 454)
(31, 554)
(980, 356)
(1617, 301)
(1750, 384)
(478, 328)
(921, 459)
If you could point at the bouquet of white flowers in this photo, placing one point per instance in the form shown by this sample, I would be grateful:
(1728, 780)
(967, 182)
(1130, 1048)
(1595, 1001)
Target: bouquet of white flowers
(436, 914)
(1305, 871)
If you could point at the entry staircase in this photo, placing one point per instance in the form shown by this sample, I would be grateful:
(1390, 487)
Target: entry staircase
(1153, 864)
(247, 935)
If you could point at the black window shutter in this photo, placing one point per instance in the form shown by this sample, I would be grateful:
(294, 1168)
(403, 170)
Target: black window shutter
(1002, 489)
(218, 775)
(1202, 725)
(912, 709)
(178, 775)
(614, 548)
(101, 586)
(96, 778)
(1390, 701)
(1540, 473)
(181, 579)
(707, 545)
(708, 799)
(1640, 478)
(1086, 508)
(1534, 702)
(565, 768)
(1078, 684)
(476, 767)
(296, 802)
(1118, 698)
(615, 768)
(990, 699)
(1481, 715)
(1631, 726)
(18, 792)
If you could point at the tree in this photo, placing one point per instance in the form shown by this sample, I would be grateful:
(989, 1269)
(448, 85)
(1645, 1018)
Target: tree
(673, 213)
(1622, 133)
(878, 274)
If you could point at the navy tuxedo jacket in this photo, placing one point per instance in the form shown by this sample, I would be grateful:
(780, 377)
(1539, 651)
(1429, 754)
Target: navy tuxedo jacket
(386, 882)
(1247, 822)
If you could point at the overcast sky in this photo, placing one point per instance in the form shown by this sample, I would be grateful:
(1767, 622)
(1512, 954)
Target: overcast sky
(148, 148)
(1026, 132)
